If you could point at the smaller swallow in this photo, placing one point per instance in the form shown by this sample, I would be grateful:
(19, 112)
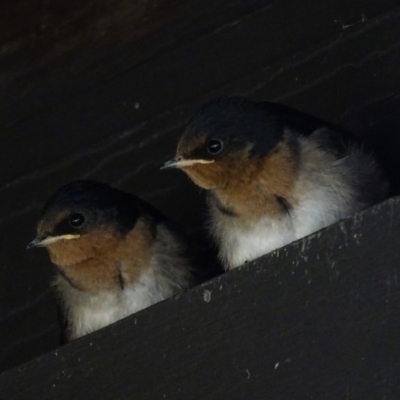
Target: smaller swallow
(273, 174)
(114, 254)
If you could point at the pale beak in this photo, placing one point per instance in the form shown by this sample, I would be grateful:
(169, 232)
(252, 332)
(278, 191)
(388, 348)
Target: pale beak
(42, 241)
(179, 162)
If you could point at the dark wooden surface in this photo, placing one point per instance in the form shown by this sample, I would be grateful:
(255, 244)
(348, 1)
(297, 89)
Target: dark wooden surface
(103, 93)
(316, 320)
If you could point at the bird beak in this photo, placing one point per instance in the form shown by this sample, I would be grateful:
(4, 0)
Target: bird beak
(179, 162)
(42, 241)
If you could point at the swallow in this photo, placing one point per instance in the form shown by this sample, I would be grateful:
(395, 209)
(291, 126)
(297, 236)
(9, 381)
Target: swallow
(114, 254)
(273, 174)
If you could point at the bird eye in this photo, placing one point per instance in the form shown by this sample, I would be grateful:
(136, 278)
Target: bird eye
(76, 220)
(214, 146)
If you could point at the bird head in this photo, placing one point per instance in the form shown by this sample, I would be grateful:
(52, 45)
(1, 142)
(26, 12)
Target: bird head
(82, 226)
(225, 138)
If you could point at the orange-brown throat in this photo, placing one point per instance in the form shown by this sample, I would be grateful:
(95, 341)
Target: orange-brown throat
(255, 186)
(217, 173)
(103, 259)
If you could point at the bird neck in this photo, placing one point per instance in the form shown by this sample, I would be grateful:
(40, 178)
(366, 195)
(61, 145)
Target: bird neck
(261, 186)
(111, 262)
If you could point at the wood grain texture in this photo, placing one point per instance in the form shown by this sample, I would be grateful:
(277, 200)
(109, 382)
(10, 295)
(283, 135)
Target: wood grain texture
(83, 92)
(316, 319)
(112, 107)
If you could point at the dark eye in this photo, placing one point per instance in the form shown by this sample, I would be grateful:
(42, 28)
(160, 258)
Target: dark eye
(76, 220)
(214, 146)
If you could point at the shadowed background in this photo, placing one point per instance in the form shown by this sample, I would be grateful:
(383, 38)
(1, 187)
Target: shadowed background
(103, 91)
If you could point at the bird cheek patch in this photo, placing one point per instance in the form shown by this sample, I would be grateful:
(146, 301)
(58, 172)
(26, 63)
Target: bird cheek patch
(86, 261)
(207, 176)
(69, 252)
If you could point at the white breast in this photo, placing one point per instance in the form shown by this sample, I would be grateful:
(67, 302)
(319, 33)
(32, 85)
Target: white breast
(239, 242)
(322, 196)
(87, 312)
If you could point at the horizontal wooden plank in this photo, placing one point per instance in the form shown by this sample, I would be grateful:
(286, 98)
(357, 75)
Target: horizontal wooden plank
(317, 319)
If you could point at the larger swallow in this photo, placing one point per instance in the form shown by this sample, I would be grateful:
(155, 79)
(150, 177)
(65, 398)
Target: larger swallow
(114, 254)
(273, 174)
